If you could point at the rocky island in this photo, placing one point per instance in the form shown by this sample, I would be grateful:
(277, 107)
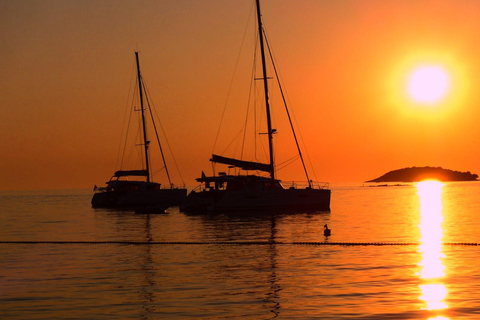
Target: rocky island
(415, 174)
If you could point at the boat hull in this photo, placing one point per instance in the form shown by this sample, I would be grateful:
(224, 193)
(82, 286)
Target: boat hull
(217, 201)
(138, 199)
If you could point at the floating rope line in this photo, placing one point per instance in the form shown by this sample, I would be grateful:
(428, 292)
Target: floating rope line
(305, 243)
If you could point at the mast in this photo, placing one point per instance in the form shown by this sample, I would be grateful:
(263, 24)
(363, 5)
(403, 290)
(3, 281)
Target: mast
(289, 118)
(265, 84)
(145, 141)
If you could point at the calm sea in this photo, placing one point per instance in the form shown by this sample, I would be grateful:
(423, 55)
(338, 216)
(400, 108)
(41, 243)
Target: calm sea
(83, 263)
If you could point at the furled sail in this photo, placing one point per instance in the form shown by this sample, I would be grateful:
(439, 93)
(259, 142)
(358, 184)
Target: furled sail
(245, 165)
(124, 173)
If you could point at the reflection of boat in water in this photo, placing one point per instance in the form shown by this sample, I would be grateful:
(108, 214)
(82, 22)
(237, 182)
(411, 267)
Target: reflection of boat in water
(121, 192)
(227, 192)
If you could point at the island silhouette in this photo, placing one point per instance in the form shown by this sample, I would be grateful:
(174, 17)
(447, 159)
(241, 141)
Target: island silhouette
(415, 174)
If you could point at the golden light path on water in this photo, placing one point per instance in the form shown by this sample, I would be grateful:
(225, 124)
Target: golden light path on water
(431, 266)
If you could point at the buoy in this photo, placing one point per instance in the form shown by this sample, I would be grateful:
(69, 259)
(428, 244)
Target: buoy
(327, 232)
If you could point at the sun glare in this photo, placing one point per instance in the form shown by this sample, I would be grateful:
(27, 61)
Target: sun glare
(434, 291)
(428, 84)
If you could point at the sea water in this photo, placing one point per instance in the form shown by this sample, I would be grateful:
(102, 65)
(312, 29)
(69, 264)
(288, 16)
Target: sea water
(396, 252)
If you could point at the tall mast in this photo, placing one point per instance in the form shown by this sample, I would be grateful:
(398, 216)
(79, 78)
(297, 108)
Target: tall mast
(265, 84)
(145, 141)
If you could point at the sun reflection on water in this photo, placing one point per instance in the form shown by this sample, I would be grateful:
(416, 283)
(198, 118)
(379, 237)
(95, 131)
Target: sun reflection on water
(432, 269)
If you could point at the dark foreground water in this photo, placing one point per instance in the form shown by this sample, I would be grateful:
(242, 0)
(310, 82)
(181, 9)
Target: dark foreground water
(213, 271)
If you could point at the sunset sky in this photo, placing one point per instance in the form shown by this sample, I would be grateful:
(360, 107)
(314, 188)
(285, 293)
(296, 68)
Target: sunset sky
(67, 71)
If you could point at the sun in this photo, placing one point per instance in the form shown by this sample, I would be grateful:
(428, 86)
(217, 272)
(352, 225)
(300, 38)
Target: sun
(428, 84)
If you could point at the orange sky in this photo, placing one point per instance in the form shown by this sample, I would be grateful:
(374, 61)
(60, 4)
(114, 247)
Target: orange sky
(67, 70)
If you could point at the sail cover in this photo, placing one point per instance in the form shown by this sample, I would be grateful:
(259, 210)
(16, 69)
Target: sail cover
(124, 173)
(245, 165)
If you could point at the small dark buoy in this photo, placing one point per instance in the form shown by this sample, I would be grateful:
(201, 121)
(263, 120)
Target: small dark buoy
(327, 232)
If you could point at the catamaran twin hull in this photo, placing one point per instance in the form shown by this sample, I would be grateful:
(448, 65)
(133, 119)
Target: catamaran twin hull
(139, 199)
(218, 201)
(139, 194)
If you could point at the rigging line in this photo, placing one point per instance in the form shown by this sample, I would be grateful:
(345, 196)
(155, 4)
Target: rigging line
(259, 96)
(312, 167)
(132, 110)
(258, 125)
(175, 162)
(128, 107)
(309, 159)
(286, 163)
(254, 90)
(168, 145)
(255, 121)
(140, 151)
(265, 88)
(259, 150)
(244, 131)
(138, 137)
(151, 106)
(157, 171)
(237, 142)
(286, 109)
(231, 82)
(231, 142)
(252, 85)
(156, 131)
(144, 126)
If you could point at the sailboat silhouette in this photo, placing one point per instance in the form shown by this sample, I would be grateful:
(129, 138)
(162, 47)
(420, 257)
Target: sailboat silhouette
(121, 192)
(225, 192)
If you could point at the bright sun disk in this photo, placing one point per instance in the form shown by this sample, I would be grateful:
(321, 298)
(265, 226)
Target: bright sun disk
(428, 84)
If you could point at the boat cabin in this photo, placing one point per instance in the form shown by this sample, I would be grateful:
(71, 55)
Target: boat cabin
(234, 182)
(131, 186)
